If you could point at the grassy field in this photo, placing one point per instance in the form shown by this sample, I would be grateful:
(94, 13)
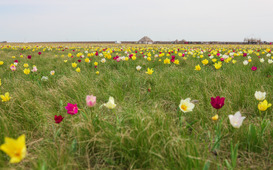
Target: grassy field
(147, 129)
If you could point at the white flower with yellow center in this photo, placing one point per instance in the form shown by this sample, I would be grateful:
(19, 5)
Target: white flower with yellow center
(186, 105)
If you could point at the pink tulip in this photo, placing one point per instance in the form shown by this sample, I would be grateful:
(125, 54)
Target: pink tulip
(71, 108)
(253, 68)
(91, 100)
(13, 68)
(34, 69)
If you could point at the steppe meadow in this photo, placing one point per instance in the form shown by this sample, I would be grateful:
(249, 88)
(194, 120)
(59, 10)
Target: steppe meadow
(117, 106)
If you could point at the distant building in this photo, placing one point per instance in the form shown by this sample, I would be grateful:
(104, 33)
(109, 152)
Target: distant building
(252, 40)
(118, 42)
(3, 41)
(145, 40)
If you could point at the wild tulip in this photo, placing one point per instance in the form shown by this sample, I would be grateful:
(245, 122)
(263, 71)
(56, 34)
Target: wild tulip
(71, 108)
(12, 67)
(149, 71)
(91, 100)
(263, 106)
(5, 97)
(58, 119)
(15, 148)
(34, 69)
(217, 102)
(236, 120)
(260, 95)
(253, 68)
(186, 105)
(215, 117)
(110, 104)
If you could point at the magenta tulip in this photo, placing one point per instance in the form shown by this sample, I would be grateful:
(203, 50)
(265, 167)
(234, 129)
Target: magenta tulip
(71, 108)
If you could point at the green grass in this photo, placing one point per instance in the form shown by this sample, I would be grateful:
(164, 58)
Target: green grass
(146, 130)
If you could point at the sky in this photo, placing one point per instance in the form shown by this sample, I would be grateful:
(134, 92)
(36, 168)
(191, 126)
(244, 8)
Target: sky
(130, 20)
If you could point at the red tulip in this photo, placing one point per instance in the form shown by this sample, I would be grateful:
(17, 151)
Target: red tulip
(29, 57)
(217, 102)
(58, 119)
(39, 53)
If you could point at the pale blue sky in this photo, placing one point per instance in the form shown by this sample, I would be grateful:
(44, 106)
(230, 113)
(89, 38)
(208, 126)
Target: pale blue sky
(87, 20)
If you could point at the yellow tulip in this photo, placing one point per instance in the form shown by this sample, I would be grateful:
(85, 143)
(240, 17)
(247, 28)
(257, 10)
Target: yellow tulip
(205, 62)
(15, 148)
(197, 68)
(218, 65)
(5, 97)
(74, 65)
(150, 71)
(262, 106)
(27, 71)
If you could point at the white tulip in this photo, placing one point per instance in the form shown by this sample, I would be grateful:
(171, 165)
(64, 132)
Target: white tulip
(110, 104)
(44, 78)
(270, 61)
(245, 62)
(260, 95)
(186, 105)
(103, 60)
(236, 120)
(138, 68)
(261, 60)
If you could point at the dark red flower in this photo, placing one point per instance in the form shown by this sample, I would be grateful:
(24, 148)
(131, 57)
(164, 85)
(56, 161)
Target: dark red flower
(58, 119)
(253, 68)
(245, 54)
(39, 53)
(217, 102)
(16, 61)
(29, 57)
(79, 61)
(173, 59)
